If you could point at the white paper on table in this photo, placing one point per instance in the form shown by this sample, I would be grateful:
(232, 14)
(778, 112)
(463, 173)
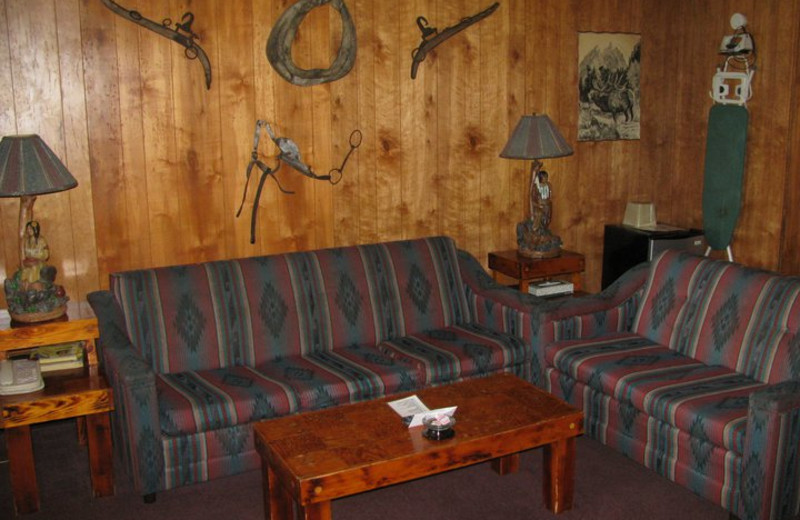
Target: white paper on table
(413, 410)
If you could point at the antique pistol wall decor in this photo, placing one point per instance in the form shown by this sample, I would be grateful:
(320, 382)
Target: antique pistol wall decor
(181, 34)
(431, 37)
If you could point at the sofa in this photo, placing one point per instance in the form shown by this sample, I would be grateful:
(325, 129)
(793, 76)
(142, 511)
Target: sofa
(197, 353)
(690, 366)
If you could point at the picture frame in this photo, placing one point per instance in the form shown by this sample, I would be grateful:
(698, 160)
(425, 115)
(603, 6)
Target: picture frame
(609, 66)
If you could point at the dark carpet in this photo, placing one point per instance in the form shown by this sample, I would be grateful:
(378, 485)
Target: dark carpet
(607, 486)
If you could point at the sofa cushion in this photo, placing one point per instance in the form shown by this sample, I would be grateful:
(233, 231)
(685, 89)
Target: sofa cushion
(197, 401)
(249, 311)
(707, 401)
(457, 352)
(724, 314)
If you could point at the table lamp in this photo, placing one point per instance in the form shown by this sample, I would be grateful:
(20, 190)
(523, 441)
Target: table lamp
(28, 168)
(534, 138)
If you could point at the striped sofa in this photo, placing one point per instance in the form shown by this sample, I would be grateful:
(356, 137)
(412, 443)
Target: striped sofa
(197, 353)
(691, 367)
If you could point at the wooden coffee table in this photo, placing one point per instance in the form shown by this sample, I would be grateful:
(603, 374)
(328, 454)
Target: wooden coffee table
(312, 458)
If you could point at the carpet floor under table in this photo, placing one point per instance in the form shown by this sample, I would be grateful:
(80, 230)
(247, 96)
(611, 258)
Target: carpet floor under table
(607, 486)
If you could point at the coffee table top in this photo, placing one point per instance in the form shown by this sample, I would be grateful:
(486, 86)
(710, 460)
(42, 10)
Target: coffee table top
(340, 451)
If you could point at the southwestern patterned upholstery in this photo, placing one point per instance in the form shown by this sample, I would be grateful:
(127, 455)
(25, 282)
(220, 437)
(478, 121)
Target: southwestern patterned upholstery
(196, 353)
(690, 366)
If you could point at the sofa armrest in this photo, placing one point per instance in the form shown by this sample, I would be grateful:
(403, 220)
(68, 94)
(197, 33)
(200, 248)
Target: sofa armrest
(138, 430)
(612, 310)
(505, 309)
(771, 468)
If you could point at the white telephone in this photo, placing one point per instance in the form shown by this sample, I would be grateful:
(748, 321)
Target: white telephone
(20, 376)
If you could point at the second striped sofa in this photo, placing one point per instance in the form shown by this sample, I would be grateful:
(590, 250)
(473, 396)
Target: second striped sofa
(690, 366)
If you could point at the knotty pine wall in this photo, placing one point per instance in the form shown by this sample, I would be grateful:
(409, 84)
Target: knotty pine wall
(161, 160)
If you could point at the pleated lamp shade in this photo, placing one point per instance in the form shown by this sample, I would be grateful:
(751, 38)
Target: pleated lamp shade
(29, 167)
(536, 137)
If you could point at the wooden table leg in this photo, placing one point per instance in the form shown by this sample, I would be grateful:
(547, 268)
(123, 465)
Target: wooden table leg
(277, 502)
(22, 469)
(98, 436)
(577, 281)
(506, 465)
(317, 511)
(559, 475)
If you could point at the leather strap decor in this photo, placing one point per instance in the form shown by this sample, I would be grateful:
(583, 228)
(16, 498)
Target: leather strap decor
(279, 45)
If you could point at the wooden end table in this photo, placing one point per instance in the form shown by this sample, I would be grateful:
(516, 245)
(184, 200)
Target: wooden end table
(525, 270)
(311, 458)
(81, 393)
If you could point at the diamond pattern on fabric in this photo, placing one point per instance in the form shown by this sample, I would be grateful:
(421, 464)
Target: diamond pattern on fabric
(628, 414)
(189, 322)
(233, 440)
(419, 289)
(348, 299)
(663, 303)
(725, 322)
(481, 355)
(272, 309)
(700, 445)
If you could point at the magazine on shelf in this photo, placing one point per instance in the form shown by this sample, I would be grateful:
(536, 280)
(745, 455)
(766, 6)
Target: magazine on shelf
(59, 357)
(551, 288)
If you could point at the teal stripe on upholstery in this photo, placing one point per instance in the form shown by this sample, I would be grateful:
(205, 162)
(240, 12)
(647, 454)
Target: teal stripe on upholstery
(384, 293)
(231, 312)
(454, 298)
(769, 325)
(312, 305)
(137, 294)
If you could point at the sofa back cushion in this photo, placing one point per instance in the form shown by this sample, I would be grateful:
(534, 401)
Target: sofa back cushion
(725, 314)
(252, 310)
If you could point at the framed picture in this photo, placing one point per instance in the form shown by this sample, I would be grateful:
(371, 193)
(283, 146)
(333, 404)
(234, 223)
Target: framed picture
(608, 88)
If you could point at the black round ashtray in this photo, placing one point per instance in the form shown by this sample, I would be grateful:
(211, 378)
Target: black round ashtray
(438, 429)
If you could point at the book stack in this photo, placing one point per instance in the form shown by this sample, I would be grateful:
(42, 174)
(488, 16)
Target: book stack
(551, 288)
(59, 357)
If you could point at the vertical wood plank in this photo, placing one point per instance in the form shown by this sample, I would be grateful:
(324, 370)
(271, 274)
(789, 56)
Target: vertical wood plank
(134, 173)
(367, 165)
(417, 127)
(9, 207)
(160, 149)
(323, 52)
(389, 188)
(235, 75)
(294, 120)
(103, 122)
(83, 260)
(197, 136)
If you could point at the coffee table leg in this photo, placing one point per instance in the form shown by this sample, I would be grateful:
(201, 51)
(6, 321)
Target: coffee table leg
(559, 474)
(277, 502)
(318, 511)
(506, 465)
(22, 469)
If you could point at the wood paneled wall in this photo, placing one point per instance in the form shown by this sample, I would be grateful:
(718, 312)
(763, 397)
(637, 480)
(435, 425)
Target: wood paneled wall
(161, 160)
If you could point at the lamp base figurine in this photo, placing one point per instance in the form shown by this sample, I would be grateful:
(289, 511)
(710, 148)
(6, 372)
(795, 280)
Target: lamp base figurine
(533, 241)
(31, 293)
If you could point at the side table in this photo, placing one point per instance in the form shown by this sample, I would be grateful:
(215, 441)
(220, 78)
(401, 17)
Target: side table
(568, 265)
(78, 393)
